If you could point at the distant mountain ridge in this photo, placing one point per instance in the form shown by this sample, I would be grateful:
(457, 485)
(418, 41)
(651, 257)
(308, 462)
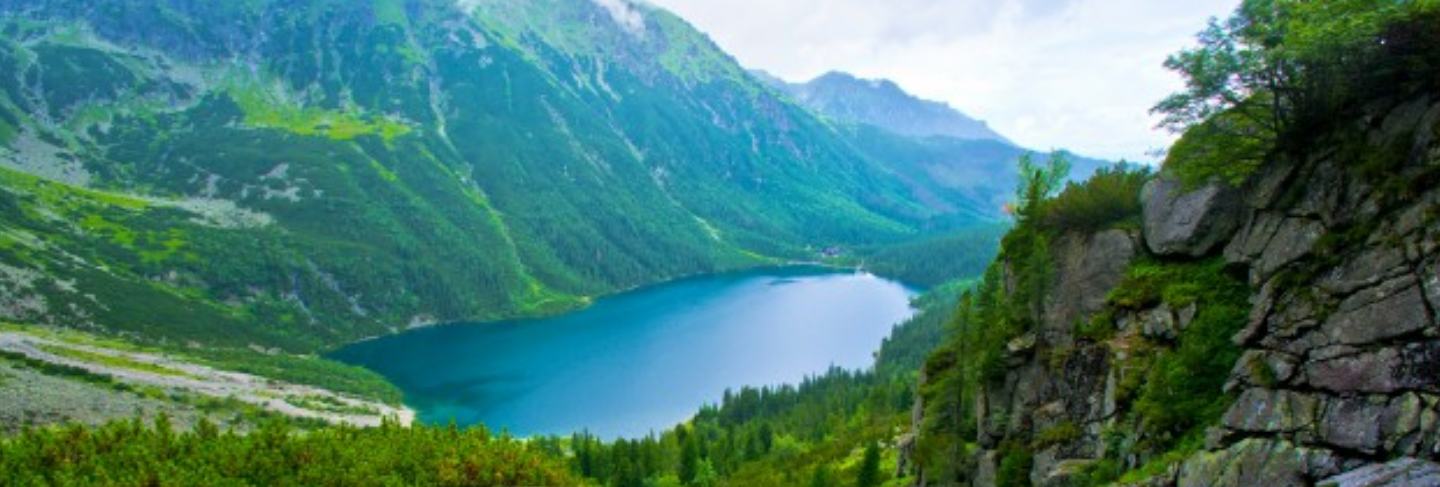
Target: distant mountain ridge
(882, 103)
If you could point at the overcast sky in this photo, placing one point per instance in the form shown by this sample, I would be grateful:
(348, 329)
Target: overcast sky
(1076, 74)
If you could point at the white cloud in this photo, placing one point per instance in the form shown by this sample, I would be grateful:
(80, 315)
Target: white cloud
(625, 14)
(1078, 74)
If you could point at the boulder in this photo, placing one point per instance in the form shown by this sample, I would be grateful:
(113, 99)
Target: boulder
(1269, 463)
(1188, 223)
(1403, 472)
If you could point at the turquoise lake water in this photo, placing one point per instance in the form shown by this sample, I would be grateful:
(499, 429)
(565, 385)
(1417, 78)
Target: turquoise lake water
(641, 361)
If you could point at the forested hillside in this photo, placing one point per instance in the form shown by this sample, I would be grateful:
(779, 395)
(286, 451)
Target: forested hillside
(299, 175)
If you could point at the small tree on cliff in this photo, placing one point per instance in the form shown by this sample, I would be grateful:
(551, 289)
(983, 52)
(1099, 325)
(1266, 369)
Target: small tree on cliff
(1039, 182)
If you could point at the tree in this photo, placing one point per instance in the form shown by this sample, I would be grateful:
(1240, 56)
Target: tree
(689, 459)
(869, 475)
(821, 476)
(1038, 182)
(1279, 64)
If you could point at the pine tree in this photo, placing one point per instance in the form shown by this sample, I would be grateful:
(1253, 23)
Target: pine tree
(869, 475)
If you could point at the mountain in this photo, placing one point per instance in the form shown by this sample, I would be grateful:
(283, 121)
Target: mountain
(884, 104)
(302, 174)
(943, 155)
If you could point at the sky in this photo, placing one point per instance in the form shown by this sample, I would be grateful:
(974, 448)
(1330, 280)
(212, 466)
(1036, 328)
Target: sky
(1048, 74)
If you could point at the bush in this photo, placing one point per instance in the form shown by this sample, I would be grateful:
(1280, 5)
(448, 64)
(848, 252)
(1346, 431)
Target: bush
(1182, 391)
(1015, 464)
(129, 452)
(1227, 147)
(1109, 199)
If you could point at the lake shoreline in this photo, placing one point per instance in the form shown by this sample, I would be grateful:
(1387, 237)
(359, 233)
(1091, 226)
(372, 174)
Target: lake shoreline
(675, 343)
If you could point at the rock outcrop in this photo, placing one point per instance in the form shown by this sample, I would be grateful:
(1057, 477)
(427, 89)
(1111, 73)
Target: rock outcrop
(1338, 378)
(1342, 361)
(1188, 223)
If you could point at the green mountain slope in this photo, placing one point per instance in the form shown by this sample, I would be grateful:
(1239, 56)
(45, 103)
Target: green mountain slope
(299, 174)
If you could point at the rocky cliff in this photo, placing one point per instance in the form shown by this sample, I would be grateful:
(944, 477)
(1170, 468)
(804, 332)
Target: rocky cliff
(1322, 274)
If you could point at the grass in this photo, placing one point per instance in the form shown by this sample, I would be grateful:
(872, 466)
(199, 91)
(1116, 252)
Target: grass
(264, 110)
(116, 361)
(328, 404)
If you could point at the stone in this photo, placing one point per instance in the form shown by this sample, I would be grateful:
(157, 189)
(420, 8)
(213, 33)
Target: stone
(1431, 282)
(1265, 189)
(1402, 472)
(1065, 473)
(1395, 308)
(1400, 425)
(1159, 323)
(1260, 410)
(1259, 315)
(1365, 269)
(1261, 368)
(1186, 316)
(1252, 462)
(1330, 195)
(1354, 423)
(1022, 344)
(1044, 461)
(1293, 239)
(1188, 223)
(1312, 344)
(1383, 371)
(986, 465)
(1251, 240)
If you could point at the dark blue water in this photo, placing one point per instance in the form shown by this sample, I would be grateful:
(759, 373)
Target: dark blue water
(641, 361)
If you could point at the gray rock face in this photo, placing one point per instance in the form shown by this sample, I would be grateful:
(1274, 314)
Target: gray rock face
(1086, 271)
(1404, 472)
(1190, 223)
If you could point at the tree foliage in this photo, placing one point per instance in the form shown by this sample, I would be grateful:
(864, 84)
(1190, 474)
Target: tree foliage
(1278, 70)
(1039, 181)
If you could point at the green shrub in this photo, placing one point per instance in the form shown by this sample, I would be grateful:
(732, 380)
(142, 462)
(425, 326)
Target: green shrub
(1015, 464)
(1228, 147)
(129, 452)
(1182, 391)
(1058, 434)
(1108, 199)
